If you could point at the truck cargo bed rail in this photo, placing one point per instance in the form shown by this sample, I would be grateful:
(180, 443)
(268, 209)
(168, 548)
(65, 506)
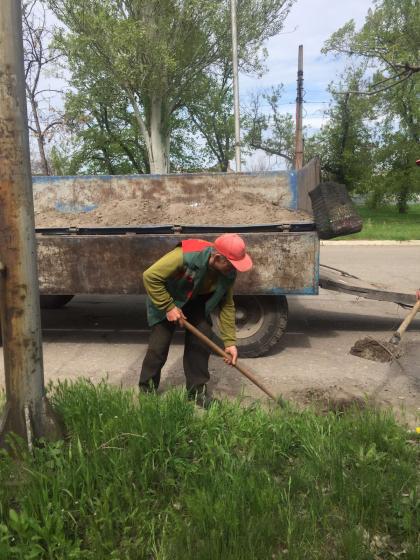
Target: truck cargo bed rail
(174, 228)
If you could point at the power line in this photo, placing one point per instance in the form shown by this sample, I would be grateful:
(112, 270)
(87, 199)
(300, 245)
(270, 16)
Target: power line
(267, 104)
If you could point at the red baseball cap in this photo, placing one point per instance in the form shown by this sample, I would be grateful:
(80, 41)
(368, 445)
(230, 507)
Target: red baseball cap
(232, 247)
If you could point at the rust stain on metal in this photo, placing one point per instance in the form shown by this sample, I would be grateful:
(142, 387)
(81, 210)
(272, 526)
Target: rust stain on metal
(114, 264)
(284, 262)
(83, 192)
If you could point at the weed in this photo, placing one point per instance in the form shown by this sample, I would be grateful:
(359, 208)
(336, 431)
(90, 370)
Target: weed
(147, 477)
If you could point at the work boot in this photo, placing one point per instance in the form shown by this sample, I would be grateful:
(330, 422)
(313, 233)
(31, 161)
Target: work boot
(200, 396)
(151, 386)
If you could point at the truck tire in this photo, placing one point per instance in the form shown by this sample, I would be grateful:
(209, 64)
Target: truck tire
(260, 323)
(53, 301)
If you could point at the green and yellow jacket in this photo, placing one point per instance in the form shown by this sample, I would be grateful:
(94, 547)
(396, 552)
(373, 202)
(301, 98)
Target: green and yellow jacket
(182, 274)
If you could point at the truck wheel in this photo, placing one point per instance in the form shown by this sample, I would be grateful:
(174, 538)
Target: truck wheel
(53, 301)
(260, 323)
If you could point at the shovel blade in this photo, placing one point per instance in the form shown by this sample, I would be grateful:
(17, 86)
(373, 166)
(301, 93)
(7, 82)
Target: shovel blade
(378, 351)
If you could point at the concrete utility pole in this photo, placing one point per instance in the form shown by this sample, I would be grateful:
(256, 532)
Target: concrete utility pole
(26, 412)
(299, 107)
(236, 87)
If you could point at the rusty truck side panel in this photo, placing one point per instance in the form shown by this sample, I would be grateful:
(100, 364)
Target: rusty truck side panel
(86, 193)
(285, 262)
(86, 261)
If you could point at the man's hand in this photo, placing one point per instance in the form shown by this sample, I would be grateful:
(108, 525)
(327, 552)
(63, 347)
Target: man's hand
(175, 314)
(233, 355)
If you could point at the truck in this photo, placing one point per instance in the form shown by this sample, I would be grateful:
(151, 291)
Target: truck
(76, 258)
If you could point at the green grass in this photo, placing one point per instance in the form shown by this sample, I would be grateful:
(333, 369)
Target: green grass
(386, 223)
(147, 477)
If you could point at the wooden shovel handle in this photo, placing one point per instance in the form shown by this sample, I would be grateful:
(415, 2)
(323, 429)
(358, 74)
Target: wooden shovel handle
(224, 354)
(403, 327)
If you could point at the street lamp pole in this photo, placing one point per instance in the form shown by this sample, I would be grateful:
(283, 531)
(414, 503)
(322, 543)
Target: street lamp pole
(236, 86)
(299, 112)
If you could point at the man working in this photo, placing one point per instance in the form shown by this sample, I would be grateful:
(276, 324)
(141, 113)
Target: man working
(189, 282)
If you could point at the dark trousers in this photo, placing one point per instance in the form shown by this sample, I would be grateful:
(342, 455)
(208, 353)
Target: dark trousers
(196, 354)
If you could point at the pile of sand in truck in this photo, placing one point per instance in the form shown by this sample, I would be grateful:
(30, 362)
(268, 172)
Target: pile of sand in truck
(249, 209)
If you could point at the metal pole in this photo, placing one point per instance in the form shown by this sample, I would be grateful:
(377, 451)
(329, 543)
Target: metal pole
(299, 105)
(27, 412)
(236, 87)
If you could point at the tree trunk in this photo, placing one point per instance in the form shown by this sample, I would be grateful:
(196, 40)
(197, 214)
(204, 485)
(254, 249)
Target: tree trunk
(375, 198)
(341, 175)
(158, 145)
(403, 196)
(39, 136)
(108, 161)
(157, 119)
(45, 166)
(156, 137)
(224, 165)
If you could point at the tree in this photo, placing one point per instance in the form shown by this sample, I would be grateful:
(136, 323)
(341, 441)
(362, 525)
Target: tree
(105, 133)
(272, 131)
(39, 57)
(105, 137)
(397, 178)
(210, 111)
(346, 141)
(388, 41)
(387, 50)
(155, 51)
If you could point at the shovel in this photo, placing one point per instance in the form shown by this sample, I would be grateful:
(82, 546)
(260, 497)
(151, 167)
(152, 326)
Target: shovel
(224, 354)
(371, 349)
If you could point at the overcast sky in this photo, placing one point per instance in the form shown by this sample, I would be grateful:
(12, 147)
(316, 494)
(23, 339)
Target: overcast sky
(310, 23)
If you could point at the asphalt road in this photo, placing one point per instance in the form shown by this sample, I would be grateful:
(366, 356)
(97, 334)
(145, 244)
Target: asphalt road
(100, 337)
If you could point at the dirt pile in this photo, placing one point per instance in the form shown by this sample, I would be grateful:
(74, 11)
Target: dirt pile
(375, 350)
(249, 209)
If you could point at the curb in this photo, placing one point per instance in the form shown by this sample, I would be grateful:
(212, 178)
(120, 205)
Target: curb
(373, 242)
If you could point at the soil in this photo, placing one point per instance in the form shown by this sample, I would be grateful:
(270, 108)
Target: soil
(376, 350)
(333, 398)
(249, 209)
